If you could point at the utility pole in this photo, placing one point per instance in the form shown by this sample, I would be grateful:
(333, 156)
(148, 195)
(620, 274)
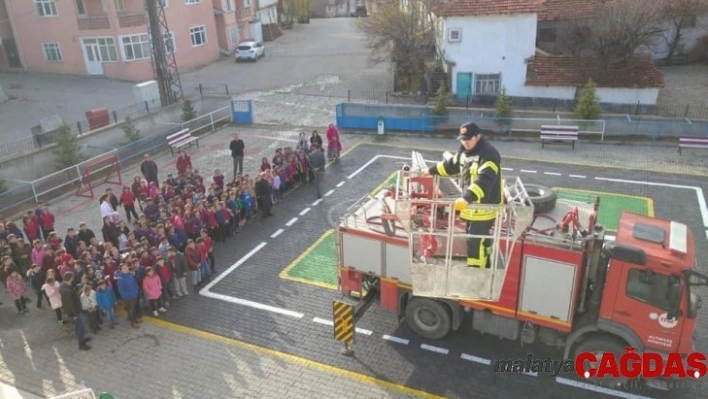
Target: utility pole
(164, 65)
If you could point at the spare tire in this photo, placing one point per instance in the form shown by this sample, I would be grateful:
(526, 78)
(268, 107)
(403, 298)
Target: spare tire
(542, 198)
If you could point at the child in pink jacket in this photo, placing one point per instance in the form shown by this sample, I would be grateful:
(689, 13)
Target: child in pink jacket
(17, 289)
(153, 291)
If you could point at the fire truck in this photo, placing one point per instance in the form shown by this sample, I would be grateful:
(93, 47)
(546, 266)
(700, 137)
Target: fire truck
(555, 276)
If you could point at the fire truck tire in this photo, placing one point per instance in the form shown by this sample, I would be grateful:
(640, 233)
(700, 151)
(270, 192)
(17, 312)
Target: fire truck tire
(599, 344)
(542, 198)
(428, 318)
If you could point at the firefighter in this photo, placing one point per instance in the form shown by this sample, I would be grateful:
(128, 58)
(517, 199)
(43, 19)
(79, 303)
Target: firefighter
(479, 164)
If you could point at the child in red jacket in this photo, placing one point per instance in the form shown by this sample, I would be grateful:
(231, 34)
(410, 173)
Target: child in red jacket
(127, 199)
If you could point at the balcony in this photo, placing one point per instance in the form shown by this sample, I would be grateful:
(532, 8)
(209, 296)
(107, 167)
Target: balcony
(94, 22)
(126, 19)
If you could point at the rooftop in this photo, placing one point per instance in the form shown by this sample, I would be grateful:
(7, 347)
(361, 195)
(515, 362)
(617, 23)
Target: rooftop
(462, 8)
(558, 10)
(545, 70)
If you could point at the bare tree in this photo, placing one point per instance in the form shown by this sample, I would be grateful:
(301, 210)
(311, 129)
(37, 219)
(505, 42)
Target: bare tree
(620, 27)
(681, 14)
(575, 39)
(400, 35)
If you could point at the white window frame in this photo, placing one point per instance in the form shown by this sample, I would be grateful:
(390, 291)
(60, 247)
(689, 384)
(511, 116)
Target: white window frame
(484, 80)
(247, 4)
(193, 30)
(229, 5)
(231, 37)
(104, 43)
(78, 9)
(454, 35)
(192, 2)
(55, 47)
(46, 8)
(165, 3)
(170, 36)
(119, 5)
(147, 54)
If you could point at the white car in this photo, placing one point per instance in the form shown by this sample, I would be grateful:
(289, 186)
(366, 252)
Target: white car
(250, 51)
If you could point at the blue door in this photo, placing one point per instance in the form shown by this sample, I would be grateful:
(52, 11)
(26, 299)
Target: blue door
(464, 86)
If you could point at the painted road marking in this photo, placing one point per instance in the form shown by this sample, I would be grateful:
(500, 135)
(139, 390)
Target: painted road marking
(341, 183)
(552, 174)
(330, 323)
(328, 193)
(577, 176)
(291, 222)
(475, 359)
(435, 349)
(528, 171)
(317, 202)
(304, 211)
(277, 233)
(598, 389)
(508, 169)
(397, 340)
(530, 373)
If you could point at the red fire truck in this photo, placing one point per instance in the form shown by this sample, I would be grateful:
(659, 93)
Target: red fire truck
(555, 276)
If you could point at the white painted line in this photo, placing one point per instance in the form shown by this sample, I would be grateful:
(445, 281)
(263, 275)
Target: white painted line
(277, 233)
(234, 266)
(578, 176)
(530, 373)
(366, 165)
(331, 324)
(435, 349)
(508, 169)
(475, 359)
(276, 138)
(528, 171)
(291, 222)
(304, 211)
(328, 193)
(396, 339)
(341, 183)
(599, 389)
(317, 202)
(251, 304)
(552, 174)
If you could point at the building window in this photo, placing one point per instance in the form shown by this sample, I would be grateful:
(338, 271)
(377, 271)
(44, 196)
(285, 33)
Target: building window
(547, 35)
(192, 1)
(247, 4)
(120, 5)
(653, 289)
(488, 84)
(46, 8)
(80, 8)
(52, 52)
(136, 47)
(229, 5)
(454, 35)
(170, 42)
(233, 35)
(106, 46)
(198, 35)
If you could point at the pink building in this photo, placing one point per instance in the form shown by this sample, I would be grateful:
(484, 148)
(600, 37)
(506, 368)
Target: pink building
(103, 37)
(232, 22)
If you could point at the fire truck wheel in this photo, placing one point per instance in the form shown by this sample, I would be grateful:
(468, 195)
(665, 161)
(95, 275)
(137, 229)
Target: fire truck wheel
(599, 344)
(542, 198)
(428, 318)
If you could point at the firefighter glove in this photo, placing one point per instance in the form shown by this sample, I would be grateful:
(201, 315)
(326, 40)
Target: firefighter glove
(460, 204)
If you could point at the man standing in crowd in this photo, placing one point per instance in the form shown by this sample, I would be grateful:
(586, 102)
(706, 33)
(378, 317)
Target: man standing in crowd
(264, 195)
(237, 147)
(317, 162)
(149, 169)
(71, 306)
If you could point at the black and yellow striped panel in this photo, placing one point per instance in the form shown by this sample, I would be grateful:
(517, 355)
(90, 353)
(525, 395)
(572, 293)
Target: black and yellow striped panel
(343, 316)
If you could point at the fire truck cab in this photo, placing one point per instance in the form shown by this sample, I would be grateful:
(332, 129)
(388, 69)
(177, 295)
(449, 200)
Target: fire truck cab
(553, 277)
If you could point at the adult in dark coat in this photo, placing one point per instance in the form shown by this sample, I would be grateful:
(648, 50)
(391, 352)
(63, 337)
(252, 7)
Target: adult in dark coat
(71, 307)
(149, 169)
(264, 195)
(237, 148)
(317, 163)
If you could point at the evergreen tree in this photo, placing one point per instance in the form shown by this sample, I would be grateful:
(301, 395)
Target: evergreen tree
(440, 110)
(68, 152)
(504, 111)
(131, 132)
(188, 112)
(588, 106)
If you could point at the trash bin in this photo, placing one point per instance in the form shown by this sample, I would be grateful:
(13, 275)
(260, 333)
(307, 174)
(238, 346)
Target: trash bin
(381, 128)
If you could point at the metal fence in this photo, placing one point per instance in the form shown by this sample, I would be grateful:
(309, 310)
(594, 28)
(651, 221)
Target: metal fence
(90, 171)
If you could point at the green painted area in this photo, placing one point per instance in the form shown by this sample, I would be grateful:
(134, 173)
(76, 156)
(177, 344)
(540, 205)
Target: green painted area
(611, 205)
(319, 265)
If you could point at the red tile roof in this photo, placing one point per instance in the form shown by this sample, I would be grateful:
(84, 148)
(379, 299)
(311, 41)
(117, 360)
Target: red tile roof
(463, 8)
(558, 10)
(543, 70)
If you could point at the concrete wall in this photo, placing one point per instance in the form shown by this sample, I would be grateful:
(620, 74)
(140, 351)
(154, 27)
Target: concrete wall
(628, 96)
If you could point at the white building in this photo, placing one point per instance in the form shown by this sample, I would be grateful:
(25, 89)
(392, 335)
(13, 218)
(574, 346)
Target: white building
(267, 11)
(488, 44)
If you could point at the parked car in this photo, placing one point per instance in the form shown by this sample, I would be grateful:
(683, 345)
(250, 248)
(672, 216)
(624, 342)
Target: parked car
(249, 51)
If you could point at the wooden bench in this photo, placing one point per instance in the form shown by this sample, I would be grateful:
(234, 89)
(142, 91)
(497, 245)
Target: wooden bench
(180, 139)
(559, 133)
(692, 142)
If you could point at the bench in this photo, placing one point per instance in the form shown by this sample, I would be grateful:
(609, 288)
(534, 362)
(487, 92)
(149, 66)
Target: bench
(559, 133)
(180, 139)
(692, 142)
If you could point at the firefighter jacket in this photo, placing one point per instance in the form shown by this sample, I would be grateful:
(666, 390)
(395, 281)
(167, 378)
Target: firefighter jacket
(480, 169)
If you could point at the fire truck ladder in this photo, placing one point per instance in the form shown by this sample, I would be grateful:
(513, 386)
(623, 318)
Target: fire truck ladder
(437, 237)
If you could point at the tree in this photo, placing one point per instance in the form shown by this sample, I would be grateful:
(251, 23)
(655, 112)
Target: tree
(131, 132)
(68, 152)
(621, 27)
(681, 14)
(588, 107)
(188, 112)
(403, 36)
(440, 110)
(504, 111)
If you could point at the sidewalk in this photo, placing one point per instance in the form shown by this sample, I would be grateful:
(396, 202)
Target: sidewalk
(10, 392)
